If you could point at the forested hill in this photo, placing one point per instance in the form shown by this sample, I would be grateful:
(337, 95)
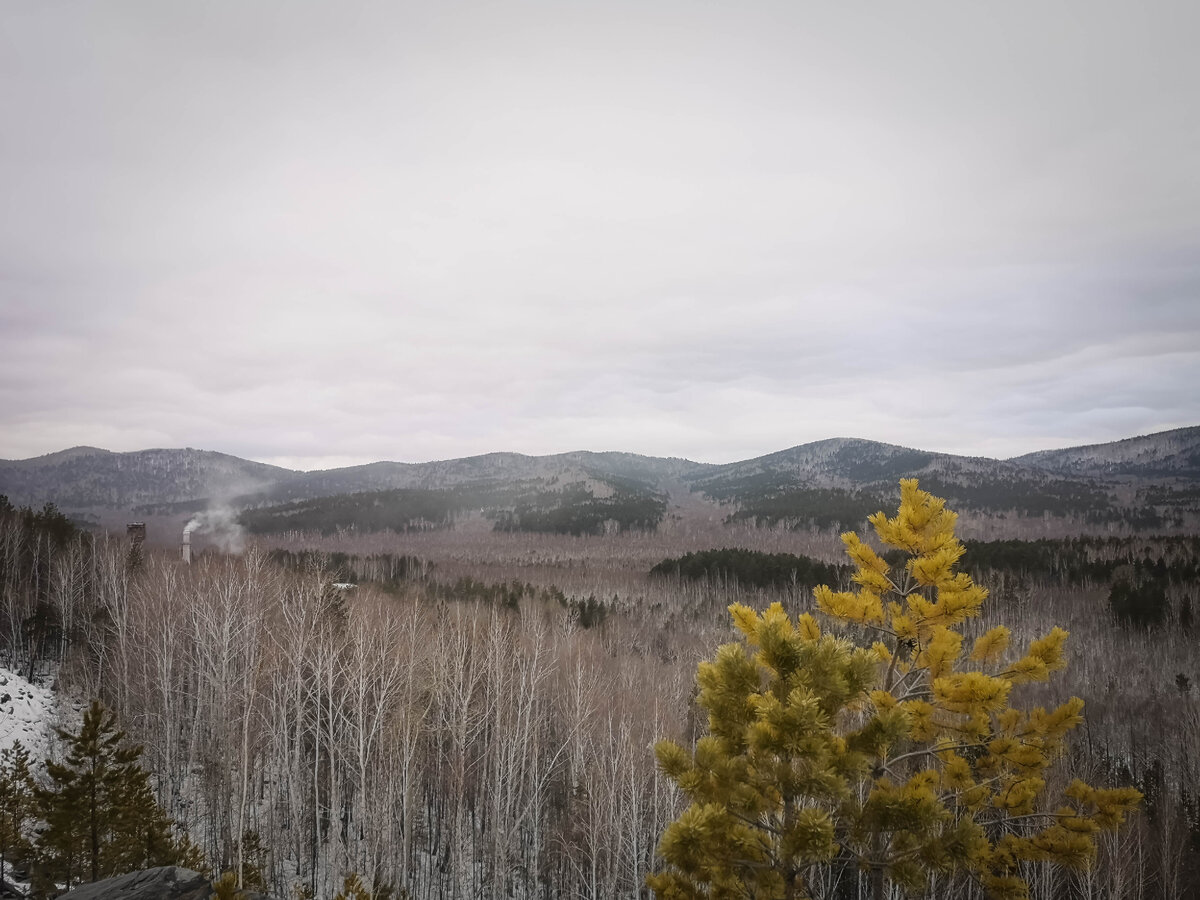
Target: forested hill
(1172, 454)
(179, 480)
(1149, 481)
(487, 469)
(838, 482)
(593, 506)
(88, 478)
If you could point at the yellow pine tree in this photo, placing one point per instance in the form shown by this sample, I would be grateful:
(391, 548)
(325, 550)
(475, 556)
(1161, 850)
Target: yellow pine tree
(903, 759)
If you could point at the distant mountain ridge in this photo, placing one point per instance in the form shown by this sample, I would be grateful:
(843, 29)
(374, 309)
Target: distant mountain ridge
(449, 473)
(830, 480)
(1169, 453)
(87, 477)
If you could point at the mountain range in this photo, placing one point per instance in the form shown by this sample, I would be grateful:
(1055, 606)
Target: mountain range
(1154, 479)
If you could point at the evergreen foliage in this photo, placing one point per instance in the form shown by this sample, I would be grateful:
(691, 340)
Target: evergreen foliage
(1141, 602)
(401, 509)
(781, 498)
(385, 569)
(32, 541)
(255, 863)
(48, 522)
(589, 611)
(17, 807)
(225, 887)
(1142, 574)
(100, 814)
(579, 512)
(751, 568)
(353, 889)
(254, 871)
(904, 759)
(523, 506)
(787, 497)
(1083, 560)
(1030, 497)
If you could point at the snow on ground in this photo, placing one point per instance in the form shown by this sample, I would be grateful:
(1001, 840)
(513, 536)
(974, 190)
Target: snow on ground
(27, 714)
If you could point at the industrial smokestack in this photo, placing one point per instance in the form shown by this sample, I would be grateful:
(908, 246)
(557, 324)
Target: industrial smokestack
(191, 526)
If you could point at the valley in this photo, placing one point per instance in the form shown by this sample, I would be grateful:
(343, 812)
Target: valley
(447, 678)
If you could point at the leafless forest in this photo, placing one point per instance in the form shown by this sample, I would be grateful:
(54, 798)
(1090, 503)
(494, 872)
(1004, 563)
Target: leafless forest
(475, 717)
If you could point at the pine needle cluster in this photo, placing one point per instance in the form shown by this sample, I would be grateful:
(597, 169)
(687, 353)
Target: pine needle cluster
(903, 759)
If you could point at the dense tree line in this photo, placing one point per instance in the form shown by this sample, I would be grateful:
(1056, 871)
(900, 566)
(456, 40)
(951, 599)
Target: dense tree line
(1080, 560)
(1150, 581)
(402, 509)
(772, 498)
(830, 508)
(567, 509)
(1140, 597)
(579, 512)
(751, 568)
(1171, 495)
(45, 567)
(385, 569)
(397, 573)
(783, 498)
(852, 463)
(1055, 497)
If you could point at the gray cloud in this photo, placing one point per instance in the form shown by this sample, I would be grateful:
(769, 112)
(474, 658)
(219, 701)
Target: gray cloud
(321, 233)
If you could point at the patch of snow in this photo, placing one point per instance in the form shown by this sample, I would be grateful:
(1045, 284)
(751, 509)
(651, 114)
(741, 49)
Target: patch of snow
(28, 714)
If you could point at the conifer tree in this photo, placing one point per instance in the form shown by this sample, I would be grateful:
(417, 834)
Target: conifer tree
(353, 889)
(225, 887)
(903, 759)
(17, 806)
(255, 865)
(101, 816)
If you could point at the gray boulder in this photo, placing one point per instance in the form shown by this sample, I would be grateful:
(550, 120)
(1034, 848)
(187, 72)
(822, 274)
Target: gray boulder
(163, 883)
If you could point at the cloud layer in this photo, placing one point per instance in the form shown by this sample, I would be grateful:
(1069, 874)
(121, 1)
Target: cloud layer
(317, 233)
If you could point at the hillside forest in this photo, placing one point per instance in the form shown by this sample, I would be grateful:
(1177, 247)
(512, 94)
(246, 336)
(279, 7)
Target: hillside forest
(449, 713)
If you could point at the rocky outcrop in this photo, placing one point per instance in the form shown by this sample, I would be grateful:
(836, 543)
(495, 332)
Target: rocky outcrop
(163, 883)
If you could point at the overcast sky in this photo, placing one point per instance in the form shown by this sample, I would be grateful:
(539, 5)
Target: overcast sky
(317, 234)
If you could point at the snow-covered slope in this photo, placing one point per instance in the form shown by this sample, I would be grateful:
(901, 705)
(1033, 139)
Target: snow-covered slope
(27, 714)
(86, 478)
(1166, 454)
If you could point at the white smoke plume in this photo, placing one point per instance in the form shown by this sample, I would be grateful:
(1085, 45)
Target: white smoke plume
(220, 525)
